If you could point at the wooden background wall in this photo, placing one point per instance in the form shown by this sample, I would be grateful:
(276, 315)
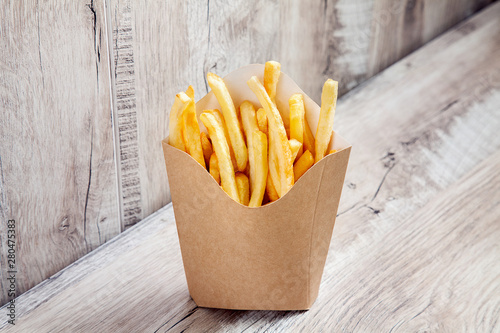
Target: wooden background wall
(85, 89)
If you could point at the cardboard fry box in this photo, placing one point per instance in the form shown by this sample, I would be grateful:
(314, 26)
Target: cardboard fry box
(266, 258)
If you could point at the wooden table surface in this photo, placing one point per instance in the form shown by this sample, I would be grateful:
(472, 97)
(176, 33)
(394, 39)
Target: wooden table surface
(416, 244)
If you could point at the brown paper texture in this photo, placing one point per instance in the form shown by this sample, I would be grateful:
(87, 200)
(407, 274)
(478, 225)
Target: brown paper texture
(266, 258)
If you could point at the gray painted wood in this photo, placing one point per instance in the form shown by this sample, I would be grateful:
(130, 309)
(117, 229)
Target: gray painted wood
(415, 242)
(58, 177)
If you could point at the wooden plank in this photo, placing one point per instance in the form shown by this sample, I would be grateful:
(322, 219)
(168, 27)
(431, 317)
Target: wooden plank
(125, 112)
(398, 28)
(95, 260)
(58, 177)
(169, 45)
(417, 248)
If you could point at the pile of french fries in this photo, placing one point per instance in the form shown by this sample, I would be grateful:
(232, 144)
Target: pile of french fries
(249, 152)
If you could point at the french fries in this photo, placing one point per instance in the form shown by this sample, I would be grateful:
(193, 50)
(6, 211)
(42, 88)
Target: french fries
(190, 92)
(279, 140)
(297, 113)
(214, 168)
(295, 147)
(206, 145)
(259, 143)
(249, 122)
(243, 186)
(326, 115)
(175, 121)
(271, 190)
(219, 141)
(272, 71)
(303, 164)
(231, 118)
(262, 120)
(273, 168)
(216, 113)
(308, 138)
(255, 156)
(191, 132)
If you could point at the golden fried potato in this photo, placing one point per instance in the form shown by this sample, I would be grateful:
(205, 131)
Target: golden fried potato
(214, 168)
(231, 118)
(190, 92)
(261, 168)
(191, 133)
(249, 122)
(271, 190)
(176, 121)
(220, 118)
(272, 71)
(303, 164)
(262, 120)
(295, 147)
(278, 139)
(206, 145)
(308, 138)
(219, 141)
(297, 114)
(326, 115)
(243, 186)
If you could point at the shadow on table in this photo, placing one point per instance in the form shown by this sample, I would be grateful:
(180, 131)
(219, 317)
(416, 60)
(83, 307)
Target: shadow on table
(244, 319)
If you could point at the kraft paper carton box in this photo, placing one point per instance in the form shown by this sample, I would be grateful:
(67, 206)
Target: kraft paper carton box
(265, 258)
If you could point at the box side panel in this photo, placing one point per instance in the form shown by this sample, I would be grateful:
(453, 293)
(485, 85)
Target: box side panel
(332, 181)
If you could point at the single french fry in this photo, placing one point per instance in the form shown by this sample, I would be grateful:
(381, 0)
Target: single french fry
(297, 114)
(295, 147)
(326, 115)
(190, 92)
(231, 117)
(176, 122)
(261, 168)
(279, 139)
(272, 71)
(221, 148)
(308, 138)
(274, 168)
(262, 120)
(191, 132)
(218, 115)
(271, 190)
(249, 122)
(303, 164)
(206, 145)
(214, 168)
(243, 186)
(332, 151)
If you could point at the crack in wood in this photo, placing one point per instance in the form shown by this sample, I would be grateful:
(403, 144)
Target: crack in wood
(190, 313)
(39, 43)
(449, 105)
(87, 195)
(383, 180)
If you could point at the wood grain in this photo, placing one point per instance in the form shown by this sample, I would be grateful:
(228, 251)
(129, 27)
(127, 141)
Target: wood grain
(176, 43)
(125, 112)
(415, 244)
(58, 178)
(400, 27)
